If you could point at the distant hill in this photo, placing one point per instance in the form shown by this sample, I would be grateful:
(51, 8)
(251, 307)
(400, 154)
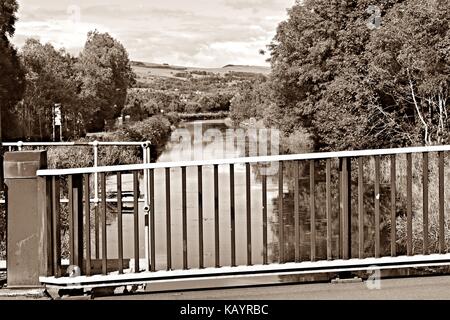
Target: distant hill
(146, 70)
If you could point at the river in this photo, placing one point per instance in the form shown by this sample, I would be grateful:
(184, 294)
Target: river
(204, 140)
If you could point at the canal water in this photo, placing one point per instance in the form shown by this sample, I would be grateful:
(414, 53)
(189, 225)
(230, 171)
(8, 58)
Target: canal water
(202, 140)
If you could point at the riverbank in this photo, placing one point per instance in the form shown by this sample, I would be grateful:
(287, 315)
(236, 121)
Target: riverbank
(204, 116)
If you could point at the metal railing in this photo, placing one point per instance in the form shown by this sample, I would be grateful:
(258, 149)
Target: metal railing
(333, 170)
(146, 145)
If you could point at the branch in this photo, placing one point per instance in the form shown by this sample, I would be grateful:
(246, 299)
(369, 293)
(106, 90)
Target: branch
(418, 110)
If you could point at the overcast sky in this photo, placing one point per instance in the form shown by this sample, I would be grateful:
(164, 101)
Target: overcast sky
(205, 33)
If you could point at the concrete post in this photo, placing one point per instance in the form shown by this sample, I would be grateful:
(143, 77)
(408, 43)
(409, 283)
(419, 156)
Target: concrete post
(29, 213)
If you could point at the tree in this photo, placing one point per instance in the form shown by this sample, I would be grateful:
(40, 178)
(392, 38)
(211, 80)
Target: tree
(50, 80)
(409, 67)
(11, 77)
(105, 74)
(320, 70)
(252, 100)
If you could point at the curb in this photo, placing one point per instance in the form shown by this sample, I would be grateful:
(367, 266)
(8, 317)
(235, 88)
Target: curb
(22, 293)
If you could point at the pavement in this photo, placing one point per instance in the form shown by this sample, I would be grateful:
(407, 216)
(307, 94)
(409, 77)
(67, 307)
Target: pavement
(421, 288)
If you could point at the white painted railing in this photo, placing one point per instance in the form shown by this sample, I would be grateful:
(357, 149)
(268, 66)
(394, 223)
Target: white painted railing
(263, 159)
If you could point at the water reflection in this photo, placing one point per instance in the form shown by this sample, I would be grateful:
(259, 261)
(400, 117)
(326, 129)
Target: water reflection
(205, 140)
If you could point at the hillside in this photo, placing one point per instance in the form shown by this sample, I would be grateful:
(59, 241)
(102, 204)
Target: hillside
(146, 72)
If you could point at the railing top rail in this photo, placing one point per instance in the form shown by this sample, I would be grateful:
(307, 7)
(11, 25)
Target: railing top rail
(73, 144)
(261, 159)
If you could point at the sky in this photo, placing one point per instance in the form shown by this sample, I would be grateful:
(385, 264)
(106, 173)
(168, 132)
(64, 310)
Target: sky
(197, 33)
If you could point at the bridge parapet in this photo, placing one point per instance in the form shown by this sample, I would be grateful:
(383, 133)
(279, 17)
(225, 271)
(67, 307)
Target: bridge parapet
(348, 184)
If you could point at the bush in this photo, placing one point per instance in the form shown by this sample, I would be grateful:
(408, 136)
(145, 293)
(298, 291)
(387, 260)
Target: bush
(417, 206)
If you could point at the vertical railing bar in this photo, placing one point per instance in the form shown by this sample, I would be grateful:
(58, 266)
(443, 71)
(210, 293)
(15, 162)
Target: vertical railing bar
(148, 236)
(97, 230)
(56, 226)
(232, 217)
(104, 235)
(136, 220)
(71, 220)
(346, 208)
(87, 216)
(96, 200)
(264, 209)
(216, 216)
(328, 209)
(361, 207)
(377, 206)
(409, 203)
(393, 205)
(184, 218)
(296, 211)
(442, 248)
(425, 202)
(168, 222)
(152, 222)
(119, 222)
(77, 221)
(280, 212)
(200, 217)
(339, 212)
(249, 213)
(145, 160)
(312, 208)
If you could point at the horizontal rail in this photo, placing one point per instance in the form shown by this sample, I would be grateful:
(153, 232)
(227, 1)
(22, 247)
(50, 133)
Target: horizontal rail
(94, 201)
(73, 144)
(259, 270)
(265, 159)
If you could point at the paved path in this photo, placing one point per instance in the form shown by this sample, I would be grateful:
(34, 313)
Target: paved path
(435, 288)
(423, 288)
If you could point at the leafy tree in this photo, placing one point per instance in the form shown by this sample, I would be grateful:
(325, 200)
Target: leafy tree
(11, 77)
(134, 106)
(409, 67)
(50, 80)
(320, 71)
(105, 74)
(251, 100)
(213, 102)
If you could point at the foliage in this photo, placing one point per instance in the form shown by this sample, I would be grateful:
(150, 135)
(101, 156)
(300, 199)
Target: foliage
(155, 129)
(50, 80)
(142, 103)
(408, 66)
(345, 85)
(12, 82)
(91, 89)
(252, 100)
(320, 73)
(104, 72)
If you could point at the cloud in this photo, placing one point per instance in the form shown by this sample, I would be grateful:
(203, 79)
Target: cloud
(255, 5)
(60, 33)
(209, 33)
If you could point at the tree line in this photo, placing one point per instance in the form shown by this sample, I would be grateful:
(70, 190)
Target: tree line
(346, 83)
(90, 88)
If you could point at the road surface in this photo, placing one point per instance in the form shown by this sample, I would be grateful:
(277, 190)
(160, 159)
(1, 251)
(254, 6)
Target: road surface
(434, 288)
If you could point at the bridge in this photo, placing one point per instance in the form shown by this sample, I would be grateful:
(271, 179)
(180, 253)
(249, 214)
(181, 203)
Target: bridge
(59, 238)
